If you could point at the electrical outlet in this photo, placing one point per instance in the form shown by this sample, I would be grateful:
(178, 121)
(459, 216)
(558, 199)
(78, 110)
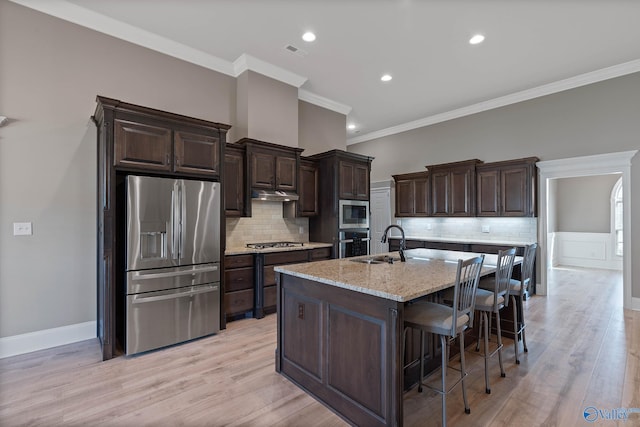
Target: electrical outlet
(428, 226)
(486, 229)
(301, 230)
(22, 229)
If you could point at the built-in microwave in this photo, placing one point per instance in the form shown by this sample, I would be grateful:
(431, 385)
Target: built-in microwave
(354, 214)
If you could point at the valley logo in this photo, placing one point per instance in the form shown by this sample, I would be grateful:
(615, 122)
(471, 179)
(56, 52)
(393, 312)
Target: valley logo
(592, 414)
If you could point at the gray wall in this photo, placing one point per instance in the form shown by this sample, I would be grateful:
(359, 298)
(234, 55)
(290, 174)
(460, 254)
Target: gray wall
(594, 119)
(51, 73)
(320, 129)
(584, 203)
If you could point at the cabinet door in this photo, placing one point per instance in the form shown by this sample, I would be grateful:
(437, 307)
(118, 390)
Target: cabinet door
(308, 190)
(285, 173)
(196, 154)
(516, 191)
(361, 182)
(404, 198)
(440, 193)
(233, 184)
(421, 197)
(488, 195)
(346, 174)
(142, 146)
(262, 170)
(462, 192)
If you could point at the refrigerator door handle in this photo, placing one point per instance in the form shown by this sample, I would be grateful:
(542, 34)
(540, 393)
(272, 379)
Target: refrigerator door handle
(183, 217)
(145, 276)
(141, 300)
(175, 221)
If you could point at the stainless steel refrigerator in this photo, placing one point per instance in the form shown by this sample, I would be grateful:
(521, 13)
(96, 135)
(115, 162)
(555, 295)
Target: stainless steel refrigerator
(172, 261)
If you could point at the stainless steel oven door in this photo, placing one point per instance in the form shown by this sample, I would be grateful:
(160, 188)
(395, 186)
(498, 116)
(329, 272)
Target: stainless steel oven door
(354, 243)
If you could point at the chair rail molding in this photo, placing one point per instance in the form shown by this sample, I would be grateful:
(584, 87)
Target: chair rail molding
(600, 164)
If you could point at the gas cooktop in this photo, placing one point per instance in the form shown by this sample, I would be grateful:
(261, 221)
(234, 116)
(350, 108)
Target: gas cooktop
(273, 245)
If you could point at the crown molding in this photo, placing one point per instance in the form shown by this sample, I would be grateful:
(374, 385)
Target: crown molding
(598, 164)
(249, 63)
(525, 95)
(320, 101)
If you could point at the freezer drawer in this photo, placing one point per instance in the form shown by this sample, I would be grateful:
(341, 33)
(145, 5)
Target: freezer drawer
(173, 277)
(162, 318)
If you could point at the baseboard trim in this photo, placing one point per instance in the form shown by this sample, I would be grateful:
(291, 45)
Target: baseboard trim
(635, 304)
(47, 338)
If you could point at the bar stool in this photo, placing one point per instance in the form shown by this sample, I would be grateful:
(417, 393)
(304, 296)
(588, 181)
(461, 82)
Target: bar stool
(491, 302)
(448, 322)
(518, 288)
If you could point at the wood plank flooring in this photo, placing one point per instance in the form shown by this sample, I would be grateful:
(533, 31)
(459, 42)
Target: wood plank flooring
(584, 350)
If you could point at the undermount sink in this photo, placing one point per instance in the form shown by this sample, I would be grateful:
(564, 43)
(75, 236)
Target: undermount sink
(377, 259)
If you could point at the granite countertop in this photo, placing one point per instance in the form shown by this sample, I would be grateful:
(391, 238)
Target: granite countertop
(470, 241)
(239, 250)
(426, 271)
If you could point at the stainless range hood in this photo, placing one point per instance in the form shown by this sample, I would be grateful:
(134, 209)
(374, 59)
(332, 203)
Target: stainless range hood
(274, 195)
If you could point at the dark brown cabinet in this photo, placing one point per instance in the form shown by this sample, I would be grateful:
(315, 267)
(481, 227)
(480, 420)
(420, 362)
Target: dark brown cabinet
(507, 188)
(271, 260)
(239, 287)
(136, 139)
(307, 189)
(412, 194)
(353, 180)
(453, 188)
(146, 146)
(234, 180)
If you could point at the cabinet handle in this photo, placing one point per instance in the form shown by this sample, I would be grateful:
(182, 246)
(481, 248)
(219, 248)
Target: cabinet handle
(167, 161)
(177, 161)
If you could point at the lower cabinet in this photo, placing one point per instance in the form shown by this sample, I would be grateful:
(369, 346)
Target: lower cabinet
(250, 280)
(239, 285)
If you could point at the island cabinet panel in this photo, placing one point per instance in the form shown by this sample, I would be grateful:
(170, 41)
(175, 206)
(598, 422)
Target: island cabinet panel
(356, 341)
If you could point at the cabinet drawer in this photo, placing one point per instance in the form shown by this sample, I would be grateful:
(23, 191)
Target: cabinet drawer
(269, 276)
(285, 257)
(236, 261)
(320, 253)
(238, 279)
(238, 302)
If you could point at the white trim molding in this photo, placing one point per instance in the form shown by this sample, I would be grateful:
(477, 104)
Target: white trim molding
(601, 164)
(48, 338)
(513, 98)
(247, 62)
(320, 101)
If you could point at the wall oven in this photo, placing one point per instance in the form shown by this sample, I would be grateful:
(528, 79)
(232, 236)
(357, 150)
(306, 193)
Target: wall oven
(353, 214)
(353, 243)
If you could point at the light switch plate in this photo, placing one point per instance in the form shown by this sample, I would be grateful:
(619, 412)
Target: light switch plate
(22, 229)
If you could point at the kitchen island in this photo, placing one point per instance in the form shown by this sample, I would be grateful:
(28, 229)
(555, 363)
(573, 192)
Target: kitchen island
(340, 327)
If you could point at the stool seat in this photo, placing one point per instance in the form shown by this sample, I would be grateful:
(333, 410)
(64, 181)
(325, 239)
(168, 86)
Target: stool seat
(434, 318)
(485, 299)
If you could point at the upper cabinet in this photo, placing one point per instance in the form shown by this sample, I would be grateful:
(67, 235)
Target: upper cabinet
(453, 188)
(234, 180)
(156, 141)
(353, 178)
(412, 194)
(307, 189)
(269, 167)
(507, 188)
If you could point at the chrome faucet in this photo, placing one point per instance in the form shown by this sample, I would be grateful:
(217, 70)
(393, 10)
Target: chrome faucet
(402, 241)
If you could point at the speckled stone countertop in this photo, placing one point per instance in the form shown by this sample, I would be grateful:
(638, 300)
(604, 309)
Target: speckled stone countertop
(465, 240)
(239, 250)
(426, 271)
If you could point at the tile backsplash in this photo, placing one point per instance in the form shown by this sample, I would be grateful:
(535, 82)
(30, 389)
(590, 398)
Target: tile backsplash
(499, 229)
(266, 225)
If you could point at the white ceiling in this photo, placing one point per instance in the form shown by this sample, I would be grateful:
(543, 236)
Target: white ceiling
(532, 48)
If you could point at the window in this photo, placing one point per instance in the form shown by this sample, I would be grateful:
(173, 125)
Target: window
(616, 208)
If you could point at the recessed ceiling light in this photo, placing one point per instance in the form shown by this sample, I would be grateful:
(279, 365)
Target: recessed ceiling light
(386, 78)
(351, 126)
(476, 39)
(308, 36)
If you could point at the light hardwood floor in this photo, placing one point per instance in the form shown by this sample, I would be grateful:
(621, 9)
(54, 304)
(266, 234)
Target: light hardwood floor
(584, 350)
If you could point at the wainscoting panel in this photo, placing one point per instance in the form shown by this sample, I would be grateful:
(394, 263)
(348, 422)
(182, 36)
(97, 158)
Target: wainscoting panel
(591, 250)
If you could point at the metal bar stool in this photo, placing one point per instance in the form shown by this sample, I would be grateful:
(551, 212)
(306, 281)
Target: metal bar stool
(518, 288)
(448, 322)
(491, 302)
